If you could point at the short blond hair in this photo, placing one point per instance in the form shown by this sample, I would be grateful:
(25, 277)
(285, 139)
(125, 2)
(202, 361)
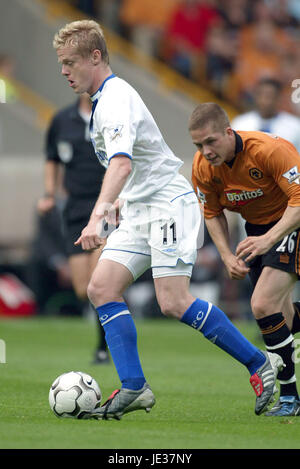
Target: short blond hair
(85, 36)
(207, 113)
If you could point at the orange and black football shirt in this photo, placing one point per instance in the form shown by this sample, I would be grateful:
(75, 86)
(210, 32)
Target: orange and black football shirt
(258, 183)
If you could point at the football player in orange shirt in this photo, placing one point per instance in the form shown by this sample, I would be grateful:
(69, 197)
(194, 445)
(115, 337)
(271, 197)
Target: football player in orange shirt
(255, 174)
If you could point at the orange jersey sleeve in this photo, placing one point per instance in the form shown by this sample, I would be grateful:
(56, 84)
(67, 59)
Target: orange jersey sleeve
(259, 184)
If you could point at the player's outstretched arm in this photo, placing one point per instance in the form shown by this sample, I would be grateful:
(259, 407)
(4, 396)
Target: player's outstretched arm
(218, 230)
(114, 180)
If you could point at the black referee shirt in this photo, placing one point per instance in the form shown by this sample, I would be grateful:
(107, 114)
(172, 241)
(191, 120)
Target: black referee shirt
(68, 143)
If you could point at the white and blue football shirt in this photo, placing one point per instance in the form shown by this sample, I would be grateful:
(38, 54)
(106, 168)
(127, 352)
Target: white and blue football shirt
(122, 124)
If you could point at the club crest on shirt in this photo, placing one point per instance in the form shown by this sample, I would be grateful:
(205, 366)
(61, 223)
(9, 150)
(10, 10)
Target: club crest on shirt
(256, 173)
(115, 131)
(292, 175)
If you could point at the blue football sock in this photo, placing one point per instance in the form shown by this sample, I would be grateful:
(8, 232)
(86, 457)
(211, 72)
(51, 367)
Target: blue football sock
(121, 338)
(217, 328)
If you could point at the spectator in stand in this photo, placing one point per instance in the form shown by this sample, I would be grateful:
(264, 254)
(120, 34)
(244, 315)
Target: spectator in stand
(222, 43)
(144, 23)
(220, 57)
(267, 115)
(184, 43)
(261, 48)
(290, 66)
(282, 14)
(235, 13)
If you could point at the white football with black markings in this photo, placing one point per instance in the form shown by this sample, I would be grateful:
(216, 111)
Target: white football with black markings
(74, 394)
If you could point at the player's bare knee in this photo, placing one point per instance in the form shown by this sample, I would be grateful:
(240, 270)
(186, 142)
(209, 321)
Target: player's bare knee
(96, 292)
(169, 312)
(170, 309)
(261, 307)
(100, 291)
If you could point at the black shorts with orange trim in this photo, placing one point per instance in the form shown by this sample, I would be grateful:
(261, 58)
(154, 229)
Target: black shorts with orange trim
(284, 255)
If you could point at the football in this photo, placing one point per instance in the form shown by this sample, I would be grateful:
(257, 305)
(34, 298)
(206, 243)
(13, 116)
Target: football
(74, 394)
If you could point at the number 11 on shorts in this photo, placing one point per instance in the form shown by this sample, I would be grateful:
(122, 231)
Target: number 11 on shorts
(169, 230)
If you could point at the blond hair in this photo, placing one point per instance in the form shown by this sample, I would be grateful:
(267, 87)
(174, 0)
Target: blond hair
(85, 36)
(207, 113)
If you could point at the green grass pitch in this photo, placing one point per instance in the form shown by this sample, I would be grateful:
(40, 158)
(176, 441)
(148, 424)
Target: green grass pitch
(204, 399)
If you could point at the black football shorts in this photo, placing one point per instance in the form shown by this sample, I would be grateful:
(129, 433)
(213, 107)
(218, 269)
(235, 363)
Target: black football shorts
(284, 255)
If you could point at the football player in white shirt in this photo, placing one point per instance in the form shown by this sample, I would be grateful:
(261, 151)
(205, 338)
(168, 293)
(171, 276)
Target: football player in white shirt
(159, 227)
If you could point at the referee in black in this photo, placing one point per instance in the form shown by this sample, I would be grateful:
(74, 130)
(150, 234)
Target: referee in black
(72, 166)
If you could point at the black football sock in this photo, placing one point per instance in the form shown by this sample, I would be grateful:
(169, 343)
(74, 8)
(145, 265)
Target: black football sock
(278, 339)
(296, 320)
